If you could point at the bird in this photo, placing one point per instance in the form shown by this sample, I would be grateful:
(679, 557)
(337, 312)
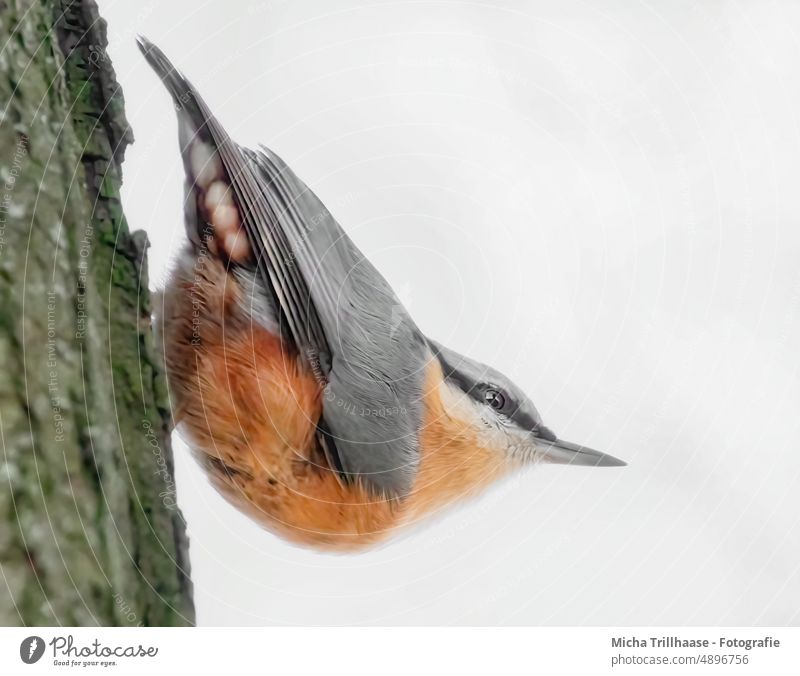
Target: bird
(302, 385)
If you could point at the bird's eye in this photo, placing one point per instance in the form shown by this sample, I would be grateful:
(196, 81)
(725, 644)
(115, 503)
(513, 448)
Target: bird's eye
(495, 399)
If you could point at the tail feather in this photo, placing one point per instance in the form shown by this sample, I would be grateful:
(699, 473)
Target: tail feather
(209, 155)
(183, 93)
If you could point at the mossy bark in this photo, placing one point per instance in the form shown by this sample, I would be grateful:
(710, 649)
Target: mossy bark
(89, 528)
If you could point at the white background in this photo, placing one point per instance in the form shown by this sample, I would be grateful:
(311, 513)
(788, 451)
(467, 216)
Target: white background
(600, 199)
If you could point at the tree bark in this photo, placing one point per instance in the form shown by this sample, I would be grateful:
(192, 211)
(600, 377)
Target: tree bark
(90, 532)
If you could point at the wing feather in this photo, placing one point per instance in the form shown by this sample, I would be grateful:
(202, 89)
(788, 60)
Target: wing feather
(338, 309)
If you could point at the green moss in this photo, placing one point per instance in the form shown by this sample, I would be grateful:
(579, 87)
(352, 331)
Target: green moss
(90, 526)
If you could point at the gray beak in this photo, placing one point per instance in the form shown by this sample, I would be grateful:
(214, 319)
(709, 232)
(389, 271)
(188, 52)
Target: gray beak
(566, 453)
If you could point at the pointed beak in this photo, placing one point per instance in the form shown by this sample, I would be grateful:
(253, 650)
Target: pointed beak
(558, 451)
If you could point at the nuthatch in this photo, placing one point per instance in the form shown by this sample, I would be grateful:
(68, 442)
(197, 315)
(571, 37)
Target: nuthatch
(305, 389)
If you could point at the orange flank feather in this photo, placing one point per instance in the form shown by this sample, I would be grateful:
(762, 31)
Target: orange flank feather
(456, 462)
(249, 407)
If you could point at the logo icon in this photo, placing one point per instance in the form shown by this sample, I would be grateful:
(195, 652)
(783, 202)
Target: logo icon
(31, 649)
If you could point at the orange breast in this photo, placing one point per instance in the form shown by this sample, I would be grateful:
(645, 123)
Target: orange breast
(249, 408)
(455, 464)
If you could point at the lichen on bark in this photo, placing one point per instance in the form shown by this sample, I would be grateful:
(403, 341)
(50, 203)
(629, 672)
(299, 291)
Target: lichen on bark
(90, 532)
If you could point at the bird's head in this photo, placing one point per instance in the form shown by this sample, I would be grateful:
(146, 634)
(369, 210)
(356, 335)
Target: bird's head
(503, 416)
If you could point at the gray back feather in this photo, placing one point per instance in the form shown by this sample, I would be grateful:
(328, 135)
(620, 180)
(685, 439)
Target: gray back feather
(337, 307)
(376, 361)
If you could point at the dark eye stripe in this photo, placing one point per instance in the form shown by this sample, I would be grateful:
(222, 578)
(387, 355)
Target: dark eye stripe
(477, 390)
(527, 422)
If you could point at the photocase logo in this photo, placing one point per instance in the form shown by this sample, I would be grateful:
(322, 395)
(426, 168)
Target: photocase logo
(31, 649)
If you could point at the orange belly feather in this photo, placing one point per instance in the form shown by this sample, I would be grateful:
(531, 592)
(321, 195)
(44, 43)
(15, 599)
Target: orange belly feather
(249, 409)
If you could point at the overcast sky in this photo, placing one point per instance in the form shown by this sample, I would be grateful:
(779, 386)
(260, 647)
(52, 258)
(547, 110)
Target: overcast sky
(600, 199)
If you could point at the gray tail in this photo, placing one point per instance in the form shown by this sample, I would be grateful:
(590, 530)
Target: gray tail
(185, 96)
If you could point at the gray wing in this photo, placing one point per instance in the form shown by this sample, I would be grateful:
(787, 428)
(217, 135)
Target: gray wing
(373, 356)
(332, 304)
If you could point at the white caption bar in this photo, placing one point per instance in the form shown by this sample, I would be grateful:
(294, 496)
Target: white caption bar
(402, 651)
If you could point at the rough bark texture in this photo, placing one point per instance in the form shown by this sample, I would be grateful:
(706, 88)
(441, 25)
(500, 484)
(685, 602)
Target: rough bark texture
(89, 528)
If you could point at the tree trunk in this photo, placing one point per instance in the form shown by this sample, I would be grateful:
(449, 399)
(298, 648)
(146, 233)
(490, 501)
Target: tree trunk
(89, 528)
